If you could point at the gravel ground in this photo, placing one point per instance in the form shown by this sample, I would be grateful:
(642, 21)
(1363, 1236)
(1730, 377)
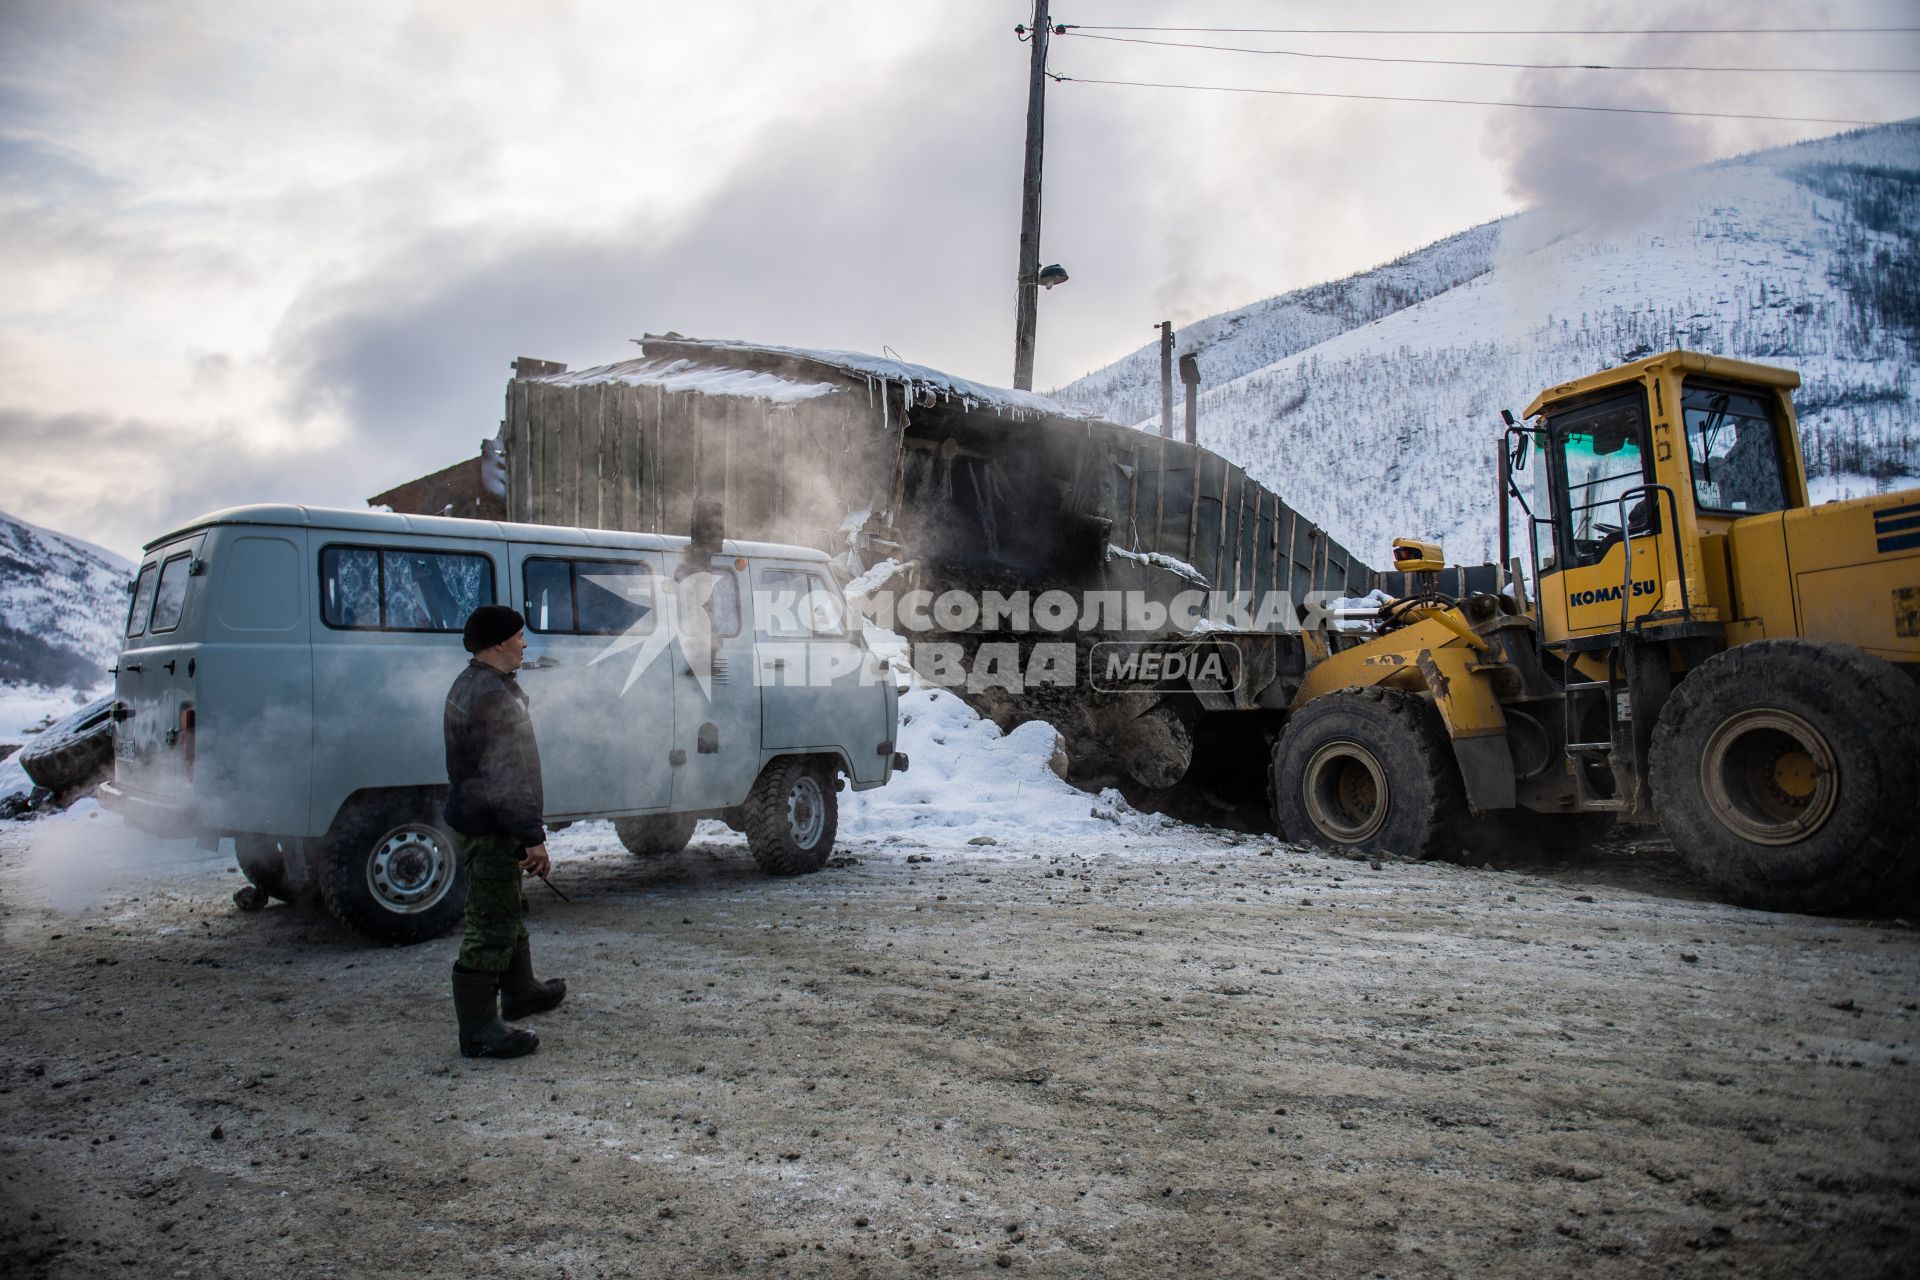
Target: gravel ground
(1161, 1051)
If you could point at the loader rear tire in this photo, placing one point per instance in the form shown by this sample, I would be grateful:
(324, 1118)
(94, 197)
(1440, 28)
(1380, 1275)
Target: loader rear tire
(1369, 771)
(1785, 772)
(654, 835)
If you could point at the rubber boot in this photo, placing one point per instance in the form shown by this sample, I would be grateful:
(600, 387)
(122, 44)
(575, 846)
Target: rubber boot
(521, 994)
(482, 1033)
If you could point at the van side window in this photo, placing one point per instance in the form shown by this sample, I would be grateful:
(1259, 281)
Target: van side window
(172, 595)
(433, 590)
(612, 599)
(549, 602)
(350, 587)
(370, 588)
(800, 603)
(587, 597)
(142, 599)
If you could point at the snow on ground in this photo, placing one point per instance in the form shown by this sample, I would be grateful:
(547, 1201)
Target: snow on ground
(968, 780)
(24, 710)
(83, 857)
(27, 708)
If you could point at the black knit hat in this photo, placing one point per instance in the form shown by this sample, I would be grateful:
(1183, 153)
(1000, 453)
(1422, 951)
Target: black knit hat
(488, 625)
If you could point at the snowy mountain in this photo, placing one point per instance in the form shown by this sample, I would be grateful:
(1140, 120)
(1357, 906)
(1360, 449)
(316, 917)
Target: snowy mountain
(1372, 403)
(62, 602)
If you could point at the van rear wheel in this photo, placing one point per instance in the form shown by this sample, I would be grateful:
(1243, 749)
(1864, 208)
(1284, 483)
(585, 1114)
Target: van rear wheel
(393, 871)
(792, 817)
(654, 835)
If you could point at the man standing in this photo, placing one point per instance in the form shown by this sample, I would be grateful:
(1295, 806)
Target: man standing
(494, 806)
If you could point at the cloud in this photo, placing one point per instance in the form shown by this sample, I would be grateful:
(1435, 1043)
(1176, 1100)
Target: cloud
(267, 251)
(848, 229)
(124, 480)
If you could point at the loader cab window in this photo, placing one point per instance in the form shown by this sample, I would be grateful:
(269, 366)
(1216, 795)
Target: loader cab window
(1598, 455)
(1734, 450)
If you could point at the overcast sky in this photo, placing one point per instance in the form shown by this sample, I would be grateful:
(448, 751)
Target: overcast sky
(286, 251)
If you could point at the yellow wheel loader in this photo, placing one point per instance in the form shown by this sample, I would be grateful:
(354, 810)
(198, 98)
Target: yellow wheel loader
(1700, 647)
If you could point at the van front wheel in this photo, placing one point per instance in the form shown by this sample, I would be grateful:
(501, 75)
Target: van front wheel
(393, 872)
(792, 817)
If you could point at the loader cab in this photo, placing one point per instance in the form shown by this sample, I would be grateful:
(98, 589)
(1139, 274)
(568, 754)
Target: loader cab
(1643, 471)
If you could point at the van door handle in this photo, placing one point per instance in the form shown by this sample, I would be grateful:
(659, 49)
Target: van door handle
(132, 666)
(540, 663)
(171, 663)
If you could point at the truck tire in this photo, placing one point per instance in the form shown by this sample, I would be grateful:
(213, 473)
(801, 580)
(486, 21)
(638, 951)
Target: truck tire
(792, 817)
(1370, 771)
(391, 870)
(1785, 773)
(75, 752)
(654, 835)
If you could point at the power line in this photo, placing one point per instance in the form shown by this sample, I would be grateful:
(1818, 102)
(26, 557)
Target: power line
(1470, 102)
(1509, 31)
(1516, 66)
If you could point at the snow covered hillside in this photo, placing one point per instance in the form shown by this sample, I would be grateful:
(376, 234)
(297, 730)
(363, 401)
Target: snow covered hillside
(1372, 404)
(62, 602)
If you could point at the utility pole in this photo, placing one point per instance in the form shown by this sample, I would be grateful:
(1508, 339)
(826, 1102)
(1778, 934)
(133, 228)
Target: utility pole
(1025, 319)
(1166, 378)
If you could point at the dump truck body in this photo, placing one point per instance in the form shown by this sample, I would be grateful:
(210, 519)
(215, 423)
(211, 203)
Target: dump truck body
(965, 488)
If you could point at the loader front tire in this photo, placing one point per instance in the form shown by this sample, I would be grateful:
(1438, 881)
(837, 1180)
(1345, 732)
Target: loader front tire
(1369, 771)
(1785, 771)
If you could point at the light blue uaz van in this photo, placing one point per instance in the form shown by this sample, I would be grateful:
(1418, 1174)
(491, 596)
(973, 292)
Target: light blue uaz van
(284, 671)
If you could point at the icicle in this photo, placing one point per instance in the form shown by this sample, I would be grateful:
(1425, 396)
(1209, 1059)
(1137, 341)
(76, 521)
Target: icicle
(883, 406)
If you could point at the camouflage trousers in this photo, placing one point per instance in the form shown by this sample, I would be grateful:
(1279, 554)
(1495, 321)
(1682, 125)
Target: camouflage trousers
(496, 904)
